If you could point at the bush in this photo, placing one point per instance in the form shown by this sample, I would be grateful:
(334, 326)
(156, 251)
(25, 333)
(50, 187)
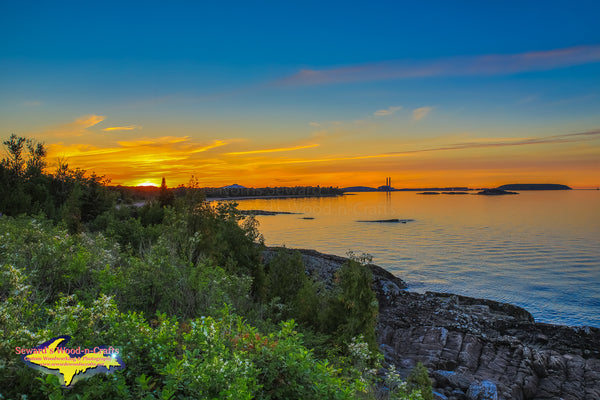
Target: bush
(203, 358)
(418, 379)
(168, 307)
(352, 310)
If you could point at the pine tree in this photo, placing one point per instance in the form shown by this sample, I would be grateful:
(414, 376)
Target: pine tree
(166, 196)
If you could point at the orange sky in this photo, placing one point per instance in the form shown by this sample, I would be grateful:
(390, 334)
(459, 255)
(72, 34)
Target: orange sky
(336, 155)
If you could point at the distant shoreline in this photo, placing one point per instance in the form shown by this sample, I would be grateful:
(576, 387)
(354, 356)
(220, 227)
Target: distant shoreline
(289, 196)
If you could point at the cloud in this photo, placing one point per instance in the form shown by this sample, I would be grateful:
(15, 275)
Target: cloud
(388, 111)
(421, 113)
(237, 153)
(122, 128)
(564, 138)
(215, 144)
(127, 154)
(492, 64)
(75, 128)
(314, 124)
(88, 121)
(486, 143)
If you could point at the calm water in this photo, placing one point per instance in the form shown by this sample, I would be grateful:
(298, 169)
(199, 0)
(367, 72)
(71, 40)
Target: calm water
(538, 250)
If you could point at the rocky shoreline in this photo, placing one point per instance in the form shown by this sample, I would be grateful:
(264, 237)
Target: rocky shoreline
(476, 348)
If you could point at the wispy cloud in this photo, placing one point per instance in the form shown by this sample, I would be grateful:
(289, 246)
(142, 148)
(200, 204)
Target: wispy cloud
(75, 128)
(132, 154)
(122, 128)
(421, 112)
(492, 64)
(237, 153)
(486, 143)
(387, 111)
(564, 138)
(88, 121)
(314, 124)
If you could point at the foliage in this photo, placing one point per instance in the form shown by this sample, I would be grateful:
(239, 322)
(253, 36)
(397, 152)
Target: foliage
(180, 288)
(353, 309)
(67, 195)
(292, 290)
(202, 358)
(165, 196)
(418, 379)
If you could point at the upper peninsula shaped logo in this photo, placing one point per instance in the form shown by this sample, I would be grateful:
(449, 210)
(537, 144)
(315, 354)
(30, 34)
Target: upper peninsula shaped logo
(72, 365)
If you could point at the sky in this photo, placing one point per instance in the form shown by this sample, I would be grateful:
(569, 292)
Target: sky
(288, 93)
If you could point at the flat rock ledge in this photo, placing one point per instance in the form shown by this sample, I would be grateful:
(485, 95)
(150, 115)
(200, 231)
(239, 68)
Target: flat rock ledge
(476, 348)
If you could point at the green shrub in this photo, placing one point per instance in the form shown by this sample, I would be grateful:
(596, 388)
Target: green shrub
(352, 310)
(167, 307)
(418, 379)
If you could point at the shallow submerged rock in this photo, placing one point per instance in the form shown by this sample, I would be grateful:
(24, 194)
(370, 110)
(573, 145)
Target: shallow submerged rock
(391, 220)
(266, 212)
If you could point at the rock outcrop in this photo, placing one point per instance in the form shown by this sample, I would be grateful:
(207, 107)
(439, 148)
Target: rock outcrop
(477, 348)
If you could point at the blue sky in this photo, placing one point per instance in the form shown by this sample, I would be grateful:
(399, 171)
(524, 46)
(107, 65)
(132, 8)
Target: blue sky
(341, 83)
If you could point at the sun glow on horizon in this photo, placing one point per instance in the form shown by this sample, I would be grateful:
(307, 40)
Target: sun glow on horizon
(147, 184)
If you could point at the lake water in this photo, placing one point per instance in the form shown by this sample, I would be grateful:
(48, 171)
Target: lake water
(538, 250)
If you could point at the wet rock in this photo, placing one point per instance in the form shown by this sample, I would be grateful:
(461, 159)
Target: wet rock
(439, 396)
(265, 212)
(451, 379)
(485, 390)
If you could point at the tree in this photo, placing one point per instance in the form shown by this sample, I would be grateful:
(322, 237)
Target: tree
(17, 164)
(68, 193)
(418, 379)
(166, 196)
(353, 310)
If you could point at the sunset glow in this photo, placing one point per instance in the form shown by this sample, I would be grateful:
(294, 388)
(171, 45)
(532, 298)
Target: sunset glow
(147, 184)
(260, 100)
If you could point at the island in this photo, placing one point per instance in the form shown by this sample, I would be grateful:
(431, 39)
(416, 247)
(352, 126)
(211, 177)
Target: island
(534, 186)
(495, 192)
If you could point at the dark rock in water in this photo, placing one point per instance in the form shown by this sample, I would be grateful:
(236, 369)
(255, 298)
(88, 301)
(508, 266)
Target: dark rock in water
(308, 217)
(403, 221)
(455, 193)
(495, 192)
(264, 212)
(465, 342)
(429, 193)
(534, 186)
